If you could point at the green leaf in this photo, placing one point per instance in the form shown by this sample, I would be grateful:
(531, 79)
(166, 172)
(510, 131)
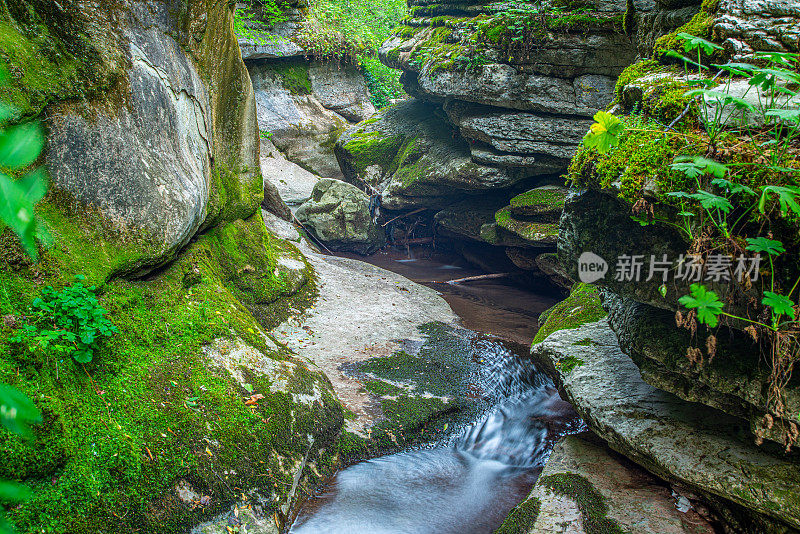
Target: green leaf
(676, 55)
(732, 187)
(780, 305)
(763, 244)
(605, 133)
(737, 69)
(11, 492)
(20, 145)
(693, 42)
(710, 201)
(787, 198)
(787, 115)
(780, 58)
(17, 200)
(17, 412)
(696, 166)
(707, 304)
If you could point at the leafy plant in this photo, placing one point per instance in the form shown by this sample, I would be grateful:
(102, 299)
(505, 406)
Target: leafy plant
(605, 133)
(733, 175)
(69, 323)
(706, 303)
(20, 147)
(251, 27)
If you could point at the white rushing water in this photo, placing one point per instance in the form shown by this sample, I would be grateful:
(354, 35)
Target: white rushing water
(467, 485)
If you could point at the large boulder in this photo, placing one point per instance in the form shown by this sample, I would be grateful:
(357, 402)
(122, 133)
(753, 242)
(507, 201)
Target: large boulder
(697, 445)
(341, 88)
(140, 147)
(292, 182)
(410, 153)
(338, 214)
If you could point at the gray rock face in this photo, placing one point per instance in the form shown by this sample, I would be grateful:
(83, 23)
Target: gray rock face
(731, 380)
(338, 215)
(162, 191)
(746, 26)
(551, 139)
(503, 85)
(301, 127)
(341, 88)
(148, 164)
(411, 153)
(581, 470)
(675, 439)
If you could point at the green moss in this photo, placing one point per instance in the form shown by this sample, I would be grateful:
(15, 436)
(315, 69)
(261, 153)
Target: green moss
(236, 193)
(382, 388)
(634, 72)
(581, 307)
(591, 502)
(152, 408)
(435, 396)
(585, 342)
(294, 76)
(84, 242)
(644, 154)
(50, 56)
(568, 364)
(522, 518)
(372, 148)
(700, 26)
(541, 199)
(526, 229)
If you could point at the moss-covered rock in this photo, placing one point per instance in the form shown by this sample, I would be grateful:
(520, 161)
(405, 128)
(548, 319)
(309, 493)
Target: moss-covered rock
(338, 214)
(162, 406)
(582, 306)
(150, 112)
(411, 154)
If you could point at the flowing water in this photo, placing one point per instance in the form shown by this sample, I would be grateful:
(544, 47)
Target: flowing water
(469, 482)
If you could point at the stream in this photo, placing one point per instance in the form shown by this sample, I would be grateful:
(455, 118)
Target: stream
(468, 482)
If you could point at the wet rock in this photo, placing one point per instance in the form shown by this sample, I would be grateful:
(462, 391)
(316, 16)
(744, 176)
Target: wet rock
(361, 313)
(463, 220)
(733, 379)
(678, 440)
(585, 484)
(338, 215)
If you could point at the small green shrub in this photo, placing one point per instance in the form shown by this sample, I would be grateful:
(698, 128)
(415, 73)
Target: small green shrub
(252, 27)
(383, 82)
(69, 322)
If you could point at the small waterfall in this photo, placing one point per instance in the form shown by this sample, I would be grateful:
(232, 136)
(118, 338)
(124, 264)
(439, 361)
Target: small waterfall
(467, 484)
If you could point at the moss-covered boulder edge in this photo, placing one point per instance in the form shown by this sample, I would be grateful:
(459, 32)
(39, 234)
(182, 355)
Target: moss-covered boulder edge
(192, 405)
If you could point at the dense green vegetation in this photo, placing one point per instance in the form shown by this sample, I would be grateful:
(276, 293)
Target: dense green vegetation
(336, 30)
